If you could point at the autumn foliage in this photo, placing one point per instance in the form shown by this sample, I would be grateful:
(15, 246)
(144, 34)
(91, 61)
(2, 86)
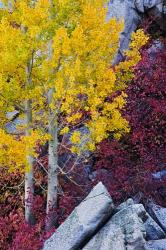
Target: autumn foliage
(77, 71)
(86, 92)
(125, 166)
(136, 157)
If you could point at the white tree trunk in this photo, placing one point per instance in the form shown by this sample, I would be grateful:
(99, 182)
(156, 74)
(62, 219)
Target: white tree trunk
(52, 168)
(29, 178)
(52, 192)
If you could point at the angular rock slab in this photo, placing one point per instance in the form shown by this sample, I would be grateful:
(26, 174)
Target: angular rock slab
(125, 204)
(83, 222)
(153, 230)
(124, 10)
(156, 245)
(129, 220)
(158, 213)
(110, 237)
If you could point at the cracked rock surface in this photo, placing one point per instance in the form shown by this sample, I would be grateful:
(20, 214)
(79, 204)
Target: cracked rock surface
(96, 224)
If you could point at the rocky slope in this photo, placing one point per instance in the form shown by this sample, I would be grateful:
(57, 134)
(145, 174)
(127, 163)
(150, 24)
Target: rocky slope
(96, 224)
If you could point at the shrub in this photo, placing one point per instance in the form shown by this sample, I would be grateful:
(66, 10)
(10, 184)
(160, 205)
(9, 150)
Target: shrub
(134, 159)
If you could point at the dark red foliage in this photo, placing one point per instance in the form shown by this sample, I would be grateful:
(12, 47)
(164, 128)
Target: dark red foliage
(15, 233)
(27, 237)
(134, 159)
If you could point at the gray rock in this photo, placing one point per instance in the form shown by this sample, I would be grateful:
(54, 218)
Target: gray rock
(144, 5)
(125, 224)
(83, 221)
(13, 122)
(139, 210)
(131, 12)
(129, 220)
(158, 213)
(12, 126)
(159, 175)
(11, 115)
(153, 230)
(125, 204)
(155, 48)
(153, 7)
(126, 10)
(156, 245)
(110, 237)
(135, 234)
(136, 208)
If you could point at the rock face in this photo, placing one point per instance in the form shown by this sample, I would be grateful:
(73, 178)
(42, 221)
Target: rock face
(124, 9)
(83, 221)
(109, 237)
(158, 213)
(156, 245)
(153, 230)
(125, 230)
(125, 204)
(144, 5)
(130, 221)
(97, 225)
(131, 12)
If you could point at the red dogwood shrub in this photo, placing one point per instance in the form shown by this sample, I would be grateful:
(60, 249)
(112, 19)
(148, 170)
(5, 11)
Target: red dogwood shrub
(136, 157)
(15, 233)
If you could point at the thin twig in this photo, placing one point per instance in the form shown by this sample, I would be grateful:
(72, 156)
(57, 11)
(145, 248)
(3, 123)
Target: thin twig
(45, 190)
(41, 165)
(16, 187)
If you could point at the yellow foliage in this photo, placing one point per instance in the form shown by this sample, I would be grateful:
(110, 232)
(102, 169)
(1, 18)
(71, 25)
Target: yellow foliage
(65, 130)
(79, 71)
(75, 138)
(14, 150)
(125, 70)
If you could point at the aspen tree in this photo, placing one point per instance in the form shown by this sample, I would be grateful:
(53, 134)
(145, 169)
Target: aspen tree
(20, 45)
